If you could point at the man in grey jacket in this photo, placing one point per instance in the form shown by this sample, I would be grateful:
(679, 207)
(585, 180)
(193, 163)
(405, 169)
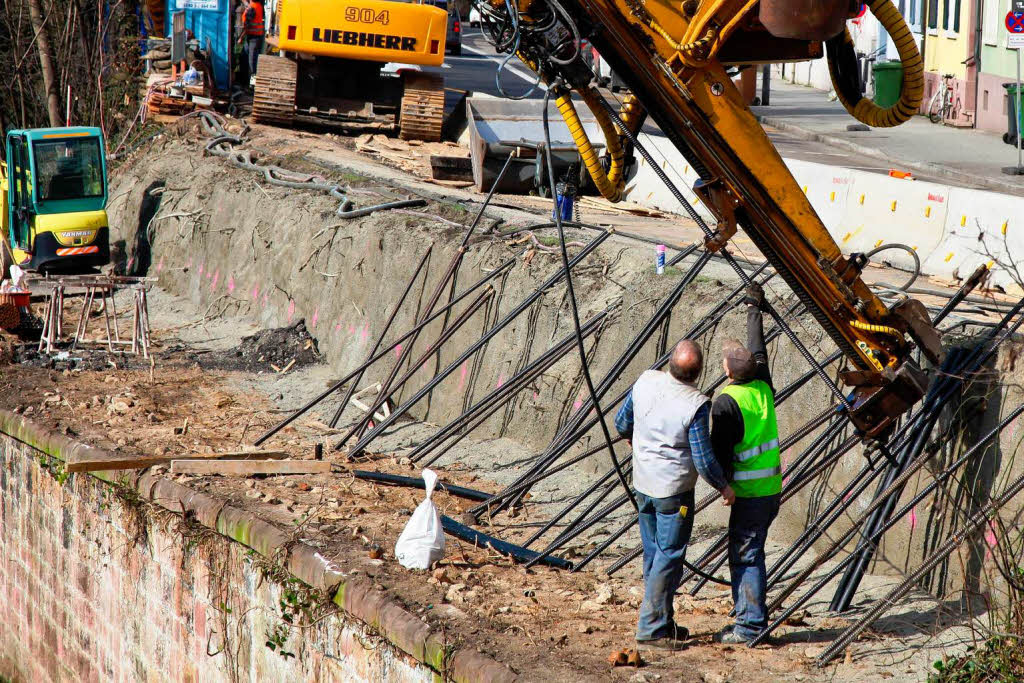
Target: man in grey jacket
(665, 419)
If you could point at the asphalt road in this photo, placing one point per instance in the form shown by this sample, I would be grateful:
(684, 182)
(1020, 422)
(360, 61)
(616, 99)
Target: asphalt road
(475, 71)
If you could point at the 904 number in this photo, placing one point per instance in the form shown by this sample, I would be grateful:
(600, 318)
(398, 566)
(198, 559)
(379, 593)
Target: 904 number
(366, 16)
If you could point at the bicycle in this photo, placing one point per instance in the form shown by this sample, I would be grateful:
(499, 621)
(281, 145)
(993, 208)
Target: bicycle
(944, 103)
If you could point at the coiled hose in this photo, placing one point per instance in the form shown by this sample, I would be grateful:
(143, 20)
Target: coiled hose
(843, 67)
(609, 183)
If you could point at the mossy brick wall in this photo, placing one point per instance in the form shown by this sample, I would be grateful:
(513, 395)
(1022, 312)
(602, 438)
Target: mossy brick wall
(98, 586)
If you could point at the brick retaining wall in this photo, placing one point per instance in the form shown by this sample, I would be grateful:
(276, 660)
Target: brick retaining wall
(103, 580)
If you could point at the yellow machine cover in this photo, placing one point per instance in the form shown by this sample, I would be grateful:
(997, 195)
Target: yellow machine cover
(369, 30)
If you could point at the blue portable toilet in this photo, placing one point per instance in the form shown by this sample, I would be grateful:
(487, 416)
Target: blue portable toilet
(209, 22)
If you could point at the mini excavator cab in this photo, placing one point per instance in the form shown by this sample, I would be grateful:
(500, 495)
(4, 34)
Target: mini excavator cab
(678, 59)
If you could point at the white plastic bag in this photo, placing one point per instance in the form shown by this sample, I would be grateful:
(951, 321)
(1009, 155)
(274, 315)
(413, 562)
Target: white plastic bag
(422, 541)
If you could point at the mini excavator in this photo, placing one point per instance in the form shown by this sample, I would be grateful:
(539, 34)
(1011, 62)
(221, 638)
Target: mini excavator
(678, 58)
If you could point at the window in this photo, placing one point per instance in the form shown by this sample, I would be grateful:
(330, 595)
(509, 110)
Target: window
(933, 15)
(945, 15)
(990, 22)
(913, 15)
(68, 169)
(956, 16)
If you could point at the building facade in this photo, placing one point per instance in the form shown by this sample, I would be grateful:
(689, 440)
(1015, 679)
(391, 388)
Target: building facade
(964, 47)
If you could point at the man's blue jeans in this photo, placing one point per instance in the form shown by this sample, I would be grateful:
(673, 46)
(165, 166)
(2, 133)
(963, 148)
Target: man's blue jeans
(748, 530)
(664, 532)
(253, 50)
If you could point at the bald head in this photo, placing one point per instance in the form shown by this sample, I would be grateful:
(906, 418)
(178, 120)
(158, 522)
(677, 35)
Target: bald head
(686, 362)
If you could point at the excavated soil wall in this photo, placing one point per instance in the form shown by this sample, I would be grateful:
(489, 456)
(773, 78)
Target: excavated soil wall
(238, 246)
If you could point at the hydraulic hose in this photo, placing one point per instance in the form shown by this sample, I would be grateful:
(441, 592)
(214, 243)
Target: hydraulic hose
(842, 66)
(609, 183)
(877, 329)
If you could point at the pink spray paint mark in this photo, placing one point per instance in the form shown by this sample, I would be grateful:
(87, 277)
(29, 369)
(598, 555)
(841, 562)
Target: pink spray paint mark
(462, 375)
(912, 519)
(291, 309)
(255, 292)
(535, 396)
(365, 332)
(577, 404)
(398, 350)
(316, 317)
(200, 270)
(351, 330)
(231, 284)
(337, 328)
(216, 277)
(160, 266)
(990, 535)
(266, 299)
(501, 379)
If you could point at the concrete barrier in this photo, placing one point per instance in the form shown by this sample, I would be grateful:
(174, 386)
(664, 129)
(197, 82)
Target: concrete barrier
(952, 229)
(881, 210)
(981, 227)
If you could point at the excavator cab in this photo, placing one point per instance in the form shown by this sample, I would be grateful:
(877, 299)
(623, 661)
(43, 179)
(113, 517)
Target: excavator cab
(54, 199)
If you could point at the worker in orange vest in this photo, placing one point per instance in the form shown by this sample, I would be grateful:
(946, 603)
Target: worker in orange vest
(253, 30)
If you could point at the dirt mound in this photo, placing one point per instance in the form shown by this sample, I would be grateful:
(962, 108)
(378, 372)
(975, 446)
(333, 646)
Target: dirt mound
(275, 349)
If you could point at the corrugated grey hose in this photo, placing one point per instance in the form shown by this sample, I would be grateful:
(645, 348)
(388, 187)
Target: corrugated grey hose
(222, 144)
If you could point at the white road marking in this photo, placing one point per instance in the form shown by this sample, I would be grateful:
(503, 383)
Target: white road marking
(514, 66)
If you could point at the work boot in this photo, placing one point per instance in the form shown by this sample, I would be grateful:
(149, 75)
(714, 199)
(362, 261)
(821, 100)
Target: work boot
(674, 642)
(729, 636)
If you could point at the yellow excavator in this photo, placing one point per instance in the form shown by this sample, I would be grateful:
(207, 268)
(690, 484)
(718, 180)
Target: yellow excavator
(331, 63)
(678, 59)
(53, 197)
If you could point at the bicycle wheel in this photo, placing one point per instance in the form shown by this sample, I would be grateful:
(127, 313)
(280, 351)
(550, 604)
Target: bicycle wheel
(934, 108)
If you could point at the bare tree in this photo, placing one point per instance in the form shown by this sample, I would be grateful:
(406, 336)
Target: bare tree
(45, 62)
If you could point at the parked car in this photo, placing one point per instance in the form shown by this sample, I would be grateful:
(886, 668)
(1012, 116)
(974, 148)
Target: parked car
(453, 44)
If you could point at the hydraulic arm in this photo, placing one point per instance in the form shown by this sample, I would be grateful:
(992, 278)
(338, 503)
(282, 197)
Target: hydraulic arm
(678, 59)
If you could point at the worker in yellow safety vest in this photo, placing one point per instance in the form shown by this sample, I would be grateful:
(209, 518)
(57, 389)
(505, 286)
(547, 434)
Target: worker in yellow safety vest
(253, 30)
(745, 437)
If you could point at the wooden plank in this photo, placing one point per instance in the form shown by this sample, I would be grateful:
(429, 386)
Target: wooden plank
(245, 468)
(232, 455)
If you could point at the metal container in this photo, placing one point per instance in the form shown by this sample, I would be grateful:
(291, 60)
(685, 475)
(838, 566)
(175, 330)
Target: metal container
(499, 126)
(804, 19)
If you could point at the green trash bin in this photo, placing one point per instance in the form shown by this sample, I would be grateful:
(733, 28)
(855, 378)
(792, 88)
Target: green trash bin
(888, 81)
(1014, 113)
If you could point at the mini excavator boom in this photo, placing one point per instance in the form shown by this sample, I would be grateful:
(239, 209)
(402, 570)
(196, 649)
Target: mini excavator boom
(678, 58)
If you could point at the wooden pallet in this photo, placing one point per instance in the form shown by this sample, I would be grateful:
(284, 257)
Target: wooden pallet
(422, 112)
(273, 99)
(159, 103)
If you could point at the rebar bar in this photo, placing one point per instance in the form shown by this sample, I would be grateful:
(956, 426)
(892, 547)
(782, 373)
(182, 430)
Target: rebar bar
(969, 528)
(383, 333)
(889, 523)
(380, 354)
(500, 325)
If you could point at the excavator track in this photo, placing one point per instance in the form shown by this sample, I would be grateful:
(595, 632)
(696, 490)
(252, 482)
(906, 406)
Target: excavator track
(422, 112)
(273, 99)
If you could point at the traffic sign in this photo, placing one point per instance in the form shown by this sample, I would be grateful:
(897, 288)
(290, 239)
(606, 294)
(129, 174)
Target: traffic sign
(864, 8)
(1015, 22)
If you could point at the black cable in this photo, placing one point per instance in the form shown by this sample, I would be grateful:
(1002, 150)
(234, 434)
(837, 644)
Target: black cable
(913, 254)
(579, 336)
(584, 364)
